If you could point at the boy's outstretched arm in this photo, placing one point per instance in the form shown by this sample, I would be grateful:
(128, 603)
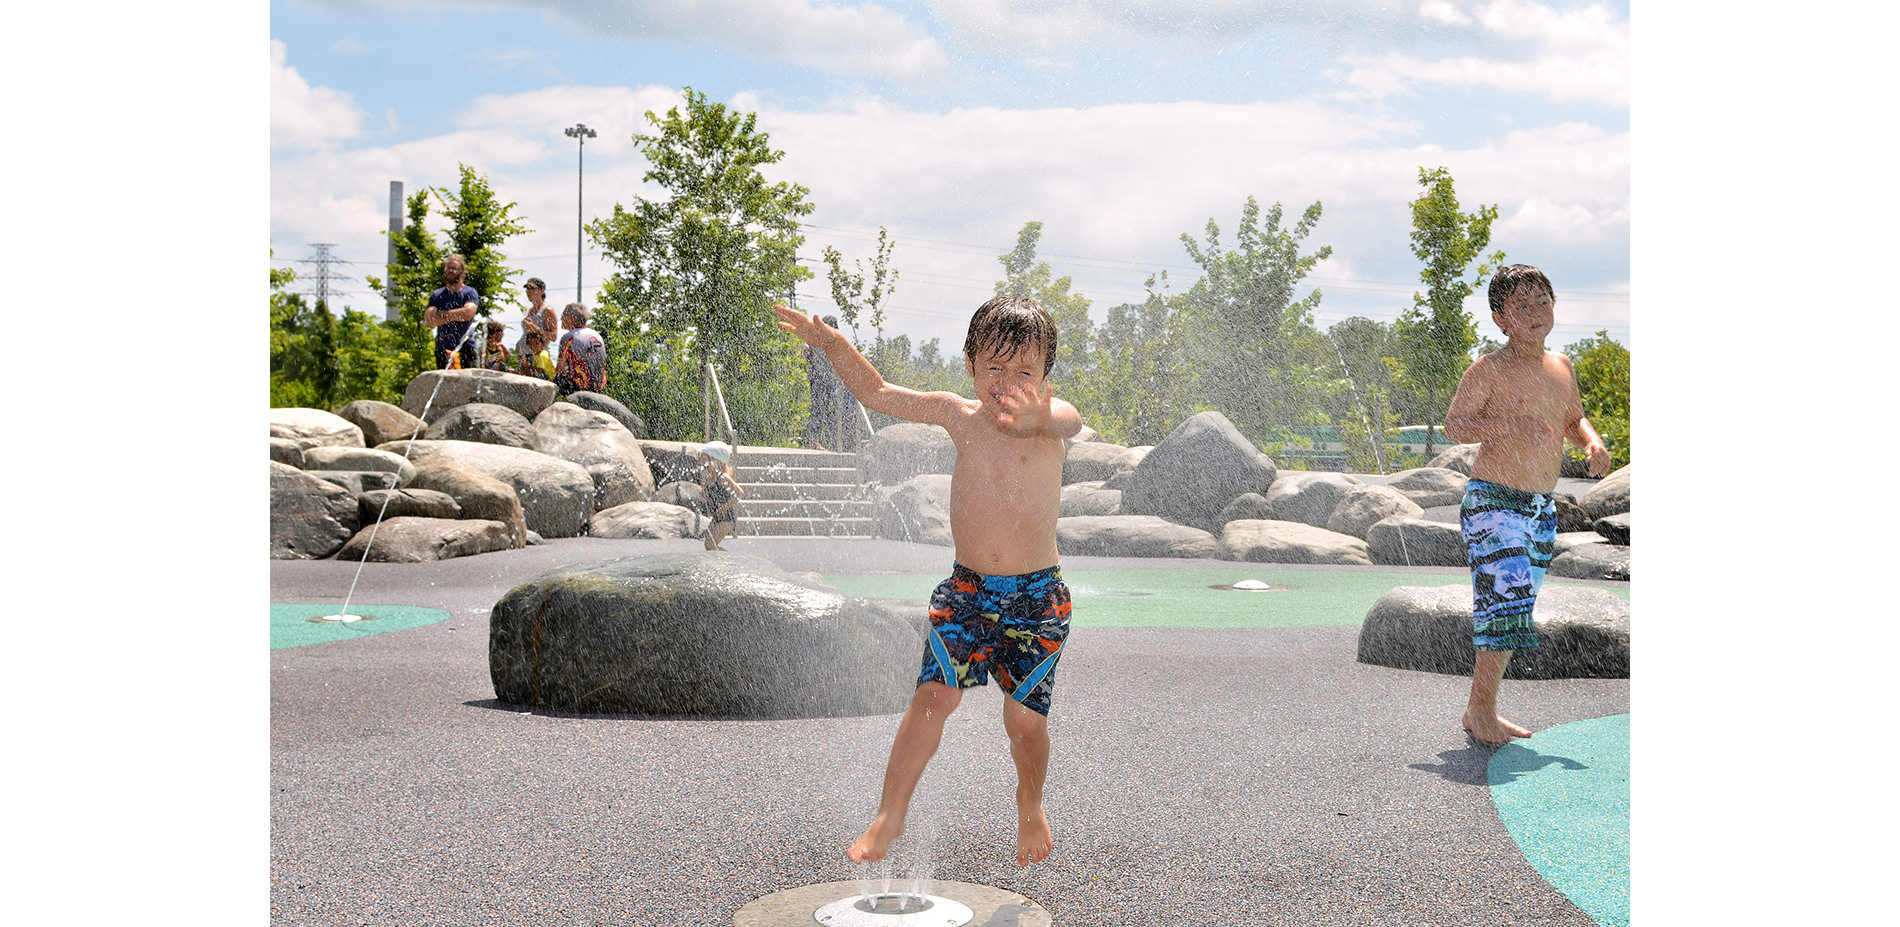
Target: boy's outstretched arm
(1026, 416)
(861, 378)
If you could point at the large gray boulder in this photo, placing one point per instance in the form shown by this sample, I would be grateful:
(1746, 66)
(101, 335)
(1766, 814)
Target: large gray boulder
(1610, 496)
(689, 496)
(1091, 461)
(1089, 499)
(671, 461)
(1459, 457)
(646, 520)
(477, 495)
(1131, 536)
(1582, 632)
(1570, 515)
(1614, 528)
(898, 452)
(600, 444)
(419, 539)
(357, 482)
(917, 510)
(309, 518)
(444, 390)
(380, 421)
(314, 428)
(601, 402)
(1202, 465)
(360, 458)
(287, 452)
(1307, 497)
(698, 635)
(1430, 486)
(483, 422)
(1265, 540)
(1402, 541)
(1248, 506)
(557, 496)
(394, 503)
(1366, 505)
(1592, 561)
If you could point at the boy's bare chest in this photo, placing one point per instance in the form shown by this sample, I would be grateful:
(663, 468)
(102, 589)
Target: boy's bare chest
(1530, 389)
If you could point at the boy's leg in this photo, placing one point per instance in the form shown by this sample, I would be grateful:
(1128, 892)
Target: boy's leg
(1481, 710)
(918, 735)
(1029, 747)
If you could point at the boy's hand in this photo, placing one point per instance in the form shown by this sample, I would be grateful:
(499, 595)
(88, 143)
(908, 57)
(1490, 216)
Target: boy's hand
(809, 328)
(1599, 458)
(1024, 413)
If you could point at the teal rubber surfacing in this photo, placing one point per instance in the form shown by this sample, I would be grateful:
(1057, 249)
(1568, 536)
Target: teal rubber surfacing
(290, 625)
(1564, 796)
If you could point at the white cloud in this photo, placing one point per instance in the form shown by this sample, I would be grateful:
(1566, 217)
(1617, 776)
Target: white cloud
(302, 116)
(1576, 55)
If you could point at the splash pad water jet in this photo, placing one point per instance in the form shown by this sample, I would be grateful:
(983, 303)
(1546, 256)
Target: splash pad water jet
(846, 904)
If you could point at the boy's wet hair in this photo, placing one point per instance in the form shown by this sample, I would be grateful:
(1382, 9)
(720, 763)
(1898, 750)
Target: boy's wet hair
(1507, 280)
(1008, 324)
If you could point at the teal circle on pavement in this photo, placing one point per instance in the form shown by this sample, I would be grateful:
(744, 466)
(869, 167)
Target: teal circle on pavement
(1564, 796)
(290, 624)
(1185, 597)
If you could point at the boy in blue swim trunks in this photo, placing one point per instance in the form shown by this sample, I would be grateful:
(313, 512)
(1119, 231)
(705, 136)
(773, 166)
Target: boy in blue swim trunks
(1004, 611)
(1520, 403)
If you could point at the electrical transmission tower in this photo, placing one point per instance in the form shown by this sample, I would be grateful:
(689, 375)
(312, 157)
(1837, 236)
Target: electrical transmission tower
(321, 277)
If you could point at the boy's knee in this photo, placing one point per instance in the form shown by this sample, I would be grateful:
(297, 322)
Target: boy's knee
(933, 694)
(1024, 724)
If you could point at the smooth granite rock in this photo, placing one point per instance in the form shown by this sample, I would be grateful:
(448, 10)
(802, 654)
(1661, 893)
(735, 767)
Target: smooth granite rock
(601, 402)
(1091, 461)
(601, 444)
(1614, 528)
(1365, 505)
(1610, 496)
(1592, 561)
(1581, 632)
(646, 520)
(1459, 457)
(1266, 540)
(1307, 497)
(314, 428)
(476, 494)
(1201, 466)
(1430, 486)
(381, 422)
(360, 458)
(394, 503)
(557, 496)
(1089, 498)
(698, 635)
(898, 452)
(444, 390)
(1402, 541)
(309, 517)
(287, 451)
(917, 510)
(485, 423)
(416, 539)
(1131, 536)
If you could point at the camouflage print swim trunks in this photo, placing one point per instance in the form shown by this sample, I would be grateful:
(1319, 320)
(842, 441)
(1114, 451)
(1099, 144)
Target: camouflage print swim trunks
(1013, 626)
(1509, 536)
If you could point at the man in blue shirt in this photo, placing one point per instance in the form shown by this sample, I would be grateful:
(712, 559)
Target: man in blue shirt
(451, 313)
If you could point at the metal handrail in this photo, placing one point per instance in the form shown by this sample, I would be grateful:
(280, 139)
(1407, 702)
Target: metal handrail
(712, 377)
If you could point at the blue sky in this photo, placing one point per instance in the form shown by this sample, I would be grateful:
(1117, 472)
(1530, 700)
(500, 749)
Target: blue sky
(1120, 124)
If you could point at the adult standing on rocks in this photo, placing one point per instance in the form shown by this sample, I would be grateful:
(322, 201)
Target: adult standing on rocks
(540, 317)
(451, 312)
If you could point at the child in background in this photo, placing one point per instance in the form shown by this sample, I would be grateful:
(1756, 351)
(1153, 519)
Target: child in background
(534, 359)
(496, 353)
(721, 491)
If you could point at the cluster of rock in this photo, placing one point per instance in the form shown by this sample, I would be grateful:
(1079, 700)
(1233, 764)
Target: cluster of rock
(1206, 492)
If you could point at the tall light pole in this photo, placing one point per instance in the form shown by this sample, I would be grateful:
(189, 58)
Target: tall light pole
(583, 133)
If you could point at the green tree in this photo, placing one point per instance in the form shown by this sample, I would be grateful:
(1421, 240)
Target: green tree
(1255, 349)
(891, 356)
(1023, 275)
(1138, 389)
(1365, 418)
(1435, 336)
(478, 223)
(321, 361)
(1603, 381)
(697, 273)
(413, 275)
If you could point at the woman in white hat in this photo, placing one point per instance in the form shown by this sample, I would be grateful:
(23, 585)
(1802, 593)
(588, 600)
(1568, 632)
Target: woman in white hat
(721, 491)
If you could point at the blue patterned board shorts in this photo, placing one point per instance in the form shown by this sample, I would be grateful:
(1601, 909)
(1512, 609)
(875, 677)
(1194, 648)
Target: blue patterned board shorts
(1013, 626)
(1509, 535)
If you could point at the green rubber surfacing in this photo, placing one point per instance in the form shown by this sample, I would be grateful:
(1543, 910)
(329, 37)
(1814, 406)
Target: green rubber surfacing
(290, 624)
(1181, 598)
(1564, 796)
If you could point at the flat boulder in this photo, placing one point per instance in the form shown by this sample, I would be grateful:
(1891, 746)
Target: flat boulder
(917, 510)
(906, 449)
(419, 539)
(1610, 496)
(287, 452)
(1402, 541)
(1248, 506)
(1365, 505)
(601, 402)
(380, 421)
(1132, 536)
(1570, 515)
(360, 458)
(1430, 486)
(557, 496)
(443, 390)
(603, 446)
(484, 423)
(1266, 540)
(476, 494)
(1592, 561)
(1202, 465)
(309, 518)
(314, 428)
(1089, 499)
(378, 504)
(357, 482)
(671, 461)
(645, 520)
(1306, 497)
(698, 635)
(1582, 632)
(1091, 461)
(1614, 528)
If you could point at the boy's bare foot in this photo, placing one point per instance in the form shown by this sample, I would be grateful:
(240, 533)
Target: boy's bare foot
(1492, 728)
(1034, 843)
(875, 842)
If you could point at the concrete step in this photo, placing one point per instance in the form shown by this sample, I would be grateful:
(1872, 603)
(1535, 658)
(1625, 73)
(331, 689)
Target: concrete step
(806, 527)
(806, 508)
(779, 473)
(815, 492)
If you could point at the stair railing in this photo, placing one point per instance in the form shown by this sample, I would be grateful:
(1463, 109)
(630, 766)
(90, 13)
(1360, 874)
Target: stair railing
(711, 390)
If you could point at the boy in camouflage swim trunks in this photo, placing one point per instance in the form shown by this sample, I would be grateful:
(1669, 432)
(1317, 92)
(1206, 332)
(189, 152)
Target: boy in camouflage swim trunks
(1519, 403)
(1004, 610)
